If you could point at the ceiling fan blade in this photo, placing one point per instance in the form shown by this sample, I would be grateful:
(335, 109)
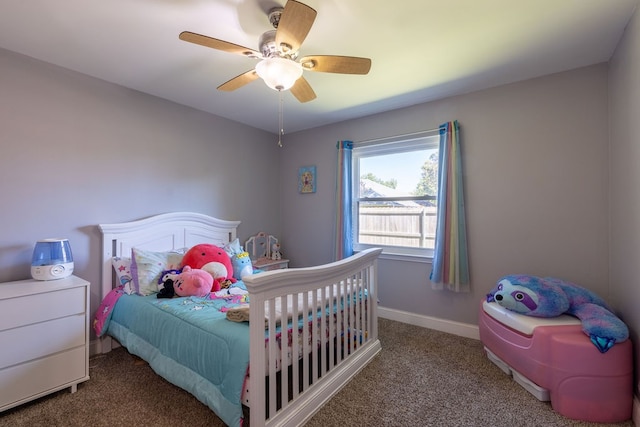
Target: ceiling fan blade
(295, 22)
(336, 64)
(222, 45)
(239, 81)
(301, 89)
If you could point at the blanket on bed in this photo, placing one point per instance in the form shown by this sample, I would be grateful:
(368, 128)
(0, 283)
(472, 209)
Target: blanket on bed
(189, 342)
(238, 311)
(103, 315)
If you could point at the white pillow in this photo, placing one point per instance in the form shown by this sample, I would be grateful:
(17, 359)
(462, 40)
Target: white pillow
(147, 267)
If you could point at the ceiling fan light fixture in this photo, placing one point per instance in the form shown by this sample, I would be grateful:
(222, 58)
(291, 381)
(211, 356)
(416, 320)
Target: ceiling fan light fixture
(279, 73)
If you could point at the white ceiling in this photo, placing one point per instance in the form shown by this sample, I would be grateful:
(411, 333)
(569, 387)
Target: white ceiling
(421, 50)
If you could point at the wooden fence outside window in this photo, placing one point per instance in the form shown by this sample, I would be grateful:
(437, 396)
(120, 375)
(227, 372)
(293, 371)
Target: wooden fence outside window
(413, 227)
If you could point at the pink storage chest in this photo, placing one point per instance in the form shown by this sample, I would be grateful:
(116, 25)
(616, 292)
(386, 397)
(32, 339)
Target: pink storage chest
(556, 361)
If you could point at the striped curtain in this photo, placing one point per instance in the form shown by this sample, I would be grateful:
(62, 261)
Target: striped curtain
(450, 260)
(344, 233)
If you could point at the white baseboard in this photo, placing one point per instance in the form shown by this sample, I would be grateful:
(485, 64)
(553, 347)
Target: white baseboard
(462, 329)
(94, 347)
(635, 414)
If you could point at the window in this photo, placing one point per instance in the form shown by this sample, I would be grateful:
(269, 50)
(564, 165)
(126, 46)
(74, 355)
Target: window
(394, 187)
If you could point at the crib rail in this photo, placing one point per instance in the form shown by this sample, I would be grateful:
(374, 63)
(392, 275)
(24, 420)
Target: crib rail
(328, 314)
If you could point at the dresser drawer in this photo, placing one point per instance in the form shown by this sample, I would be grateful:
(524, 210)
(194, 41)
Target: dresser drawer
(41, 339)
(38, 377)
(45, 306)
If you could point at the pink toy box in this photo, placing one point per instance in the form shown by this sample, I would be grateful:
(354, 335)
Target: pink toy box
(554, 360)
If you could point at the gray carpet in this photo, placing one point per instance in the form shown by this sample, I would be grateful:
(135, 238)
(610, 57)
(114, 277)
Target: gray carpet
(414, 381)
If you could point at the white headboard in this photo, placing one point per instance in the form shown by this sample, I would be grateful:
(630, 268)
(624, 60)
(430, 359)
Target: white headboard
(164, 232)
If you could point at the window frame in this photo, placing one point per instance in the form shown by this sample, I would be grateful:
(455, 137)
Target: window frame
(379, 147)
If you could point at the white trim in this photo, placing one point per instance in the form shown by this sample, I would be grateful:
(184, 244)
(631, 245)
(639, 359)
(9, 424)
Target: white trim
(95, 347)
(399, 257)
(405, 257)
(456, 328)
(635, 413)
(395, 138)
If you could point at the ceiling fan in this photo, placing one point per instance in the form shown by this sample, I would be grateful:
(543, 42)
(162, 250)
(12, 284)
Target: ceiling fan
(279, 66)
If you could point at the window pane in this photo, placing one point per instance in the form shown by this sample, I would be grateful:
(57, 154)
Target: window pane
(396, 174)
(388, 225)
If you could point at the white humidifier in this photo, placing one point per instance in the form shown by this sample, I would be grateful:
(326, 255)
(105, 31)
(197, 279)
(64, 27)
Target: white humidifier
(52, 259)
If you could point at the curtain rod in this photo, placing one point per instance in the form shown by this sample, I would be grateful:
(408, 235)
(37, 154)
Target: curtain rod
(367, 141)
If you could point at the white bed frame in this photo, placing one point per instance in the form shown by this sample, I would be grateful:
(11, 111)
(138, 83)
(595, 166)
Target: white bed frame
(352, 280)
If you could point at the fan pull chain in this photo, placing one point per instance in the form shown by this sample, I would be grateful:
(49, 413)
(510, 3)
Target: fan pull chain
(280, 119)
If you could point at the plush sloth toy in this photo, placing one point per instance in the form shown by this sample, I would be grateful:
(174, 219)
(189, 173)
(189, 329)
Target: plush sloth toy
(551, 297)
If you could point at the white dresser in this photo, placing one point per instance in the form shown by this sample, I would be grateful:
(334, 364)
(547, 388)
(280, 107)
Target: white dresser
(44, 338)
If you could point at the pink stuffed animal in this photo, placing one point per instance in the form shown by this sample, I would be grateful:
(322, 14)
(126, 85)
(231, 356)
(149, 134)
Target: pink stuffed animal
(212, 259)
(193, 282)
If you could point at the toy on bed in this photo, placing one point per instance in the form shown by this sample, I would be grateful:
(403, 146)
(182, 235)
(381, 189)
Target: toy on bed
(240, 260)
(242, 265)
(189, 282)
(165, 283)
(551, 297)
(212, 259)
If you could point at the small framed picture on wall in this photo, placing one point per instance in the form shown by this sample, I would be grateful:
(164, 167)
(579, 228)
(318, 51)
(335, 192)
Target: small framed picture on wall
(307, 179)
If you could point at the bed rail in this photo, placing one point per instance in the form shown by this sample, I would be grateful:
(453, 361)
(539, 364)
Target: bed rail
(336, 308)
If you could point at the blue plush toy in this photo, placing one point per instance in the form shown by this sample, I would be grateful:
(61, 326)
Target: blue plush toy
(550, 297)
(242, 266)
(240, 260)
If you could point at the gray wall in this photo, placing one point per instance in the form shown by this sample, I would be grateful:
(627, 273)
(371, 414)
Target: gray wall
(535, 171)
(77, 151)
(624, 186)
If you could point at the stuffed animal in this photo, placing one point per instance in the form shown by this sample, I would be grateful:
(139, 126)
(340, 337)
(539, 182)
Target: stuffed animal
(240, 259)
(165, 283)
(168, 274)
(190, 282)
(212, 259)
(241, 265)
(276, 255)
(550, 297)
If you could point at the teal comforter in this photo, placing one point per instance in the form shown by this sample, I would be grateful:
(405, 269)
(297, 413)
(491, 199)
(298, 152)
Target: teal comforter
(189, 342)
